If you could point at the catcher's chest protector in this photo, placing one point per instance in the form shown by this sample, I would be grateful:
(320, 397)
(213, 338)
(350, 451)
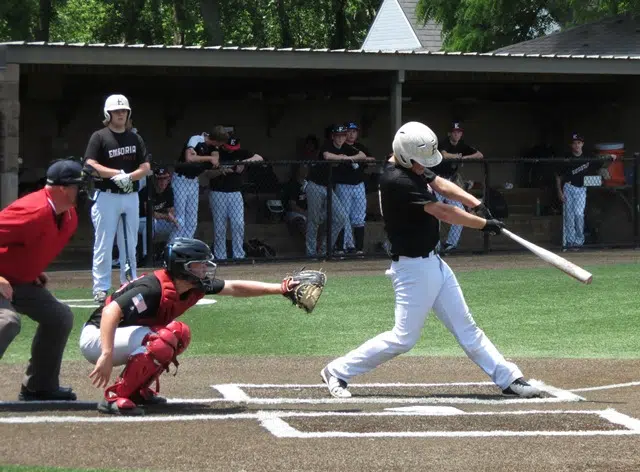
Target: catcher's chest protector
(170, 304)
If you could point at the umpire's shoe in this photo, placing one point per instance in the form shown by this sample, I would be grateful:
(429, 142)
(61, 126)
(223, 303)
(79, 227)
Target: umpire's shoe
(520, 388)
(337, 387)
(61, 394)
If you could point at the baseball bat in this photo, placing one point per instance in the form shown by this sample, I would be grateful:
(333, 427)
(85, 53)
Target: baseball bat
(561, 263)
(127, 263)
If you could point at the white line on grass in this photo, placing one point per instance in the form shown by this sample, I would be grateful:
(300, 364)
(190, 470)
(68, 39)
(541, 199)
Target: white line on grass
(620, 418)
(605, 387)
(372, 385)
(375, 400)
(232, 392)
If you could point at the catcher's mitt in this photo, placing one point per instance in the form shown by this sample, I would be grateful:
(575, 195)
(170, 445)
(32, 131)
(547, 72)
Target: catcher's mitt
(304, 288)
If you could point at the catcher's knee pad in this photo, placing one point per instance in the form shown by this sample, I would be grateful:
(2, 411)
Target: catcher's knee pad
(144, 368)
(182, 332)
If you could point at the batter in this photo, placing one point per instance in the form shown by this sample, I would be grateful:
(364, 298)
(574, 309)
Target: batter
(421, 279)
(120, 157)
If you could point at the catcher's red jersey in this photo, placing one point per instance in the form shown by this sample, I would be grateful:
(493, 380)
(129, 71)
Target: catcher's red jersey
(32, 236)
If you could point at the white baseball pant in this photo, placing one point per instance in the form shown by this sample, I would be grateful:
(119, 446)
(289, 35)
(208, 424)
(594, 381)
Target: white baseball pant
(127, 341)
(107, 223)
(421, 284)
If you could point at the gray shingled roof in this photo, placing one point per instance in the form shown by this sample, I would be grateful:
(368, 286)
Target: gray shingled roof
(619, 35)
(429, 34)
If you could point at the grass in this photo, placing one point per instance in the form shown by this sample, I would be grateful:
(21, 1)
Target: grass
(525, 312)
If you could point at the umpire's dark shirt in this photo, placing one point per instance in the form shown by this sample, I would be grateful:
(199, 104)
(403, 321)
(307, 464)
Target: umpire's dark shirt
(411, 231)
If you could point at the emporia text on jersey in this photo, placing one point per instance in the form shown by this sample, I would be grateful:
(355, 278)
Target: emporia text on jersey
(415, 141)
(116, 102)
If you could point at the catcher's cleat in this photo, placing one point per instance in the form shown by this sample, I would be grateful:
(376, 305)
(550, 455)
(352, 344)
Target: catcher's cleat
(60, 394)
(520, 388)
(150, 397)
(99, 297)
(121, 406)
(337, 387)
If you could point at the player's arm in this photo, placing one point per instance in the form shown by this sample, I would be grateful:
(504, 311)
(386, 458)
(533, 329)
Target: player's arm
(111, 317)
(250, 288)
(253, 158)
(90, 156)
(471, 153)
(335, 157)
(191, 153)
(453, 192)
(454, 215)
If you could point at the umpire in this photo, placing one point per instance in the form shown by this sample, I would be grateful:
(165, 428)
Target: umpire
(33, 231)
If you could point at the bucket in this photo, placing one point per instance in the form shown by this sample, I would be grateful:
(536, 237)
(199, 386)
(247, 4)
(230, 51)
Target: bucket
(613, 173)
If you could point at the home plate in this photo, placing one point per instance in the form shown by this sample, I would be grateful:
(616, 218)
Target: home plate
(428, 410)
(89, 303)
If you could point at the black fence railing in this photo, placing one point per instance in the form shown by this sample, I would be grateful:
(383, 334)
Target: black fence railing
(287, 210)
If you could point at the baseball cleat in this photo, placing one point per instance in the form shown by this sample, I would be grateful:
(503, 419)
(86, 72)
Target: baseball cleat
(520, 388)
(122, 406)
(100, 296)
(337, 387)
(61, 394)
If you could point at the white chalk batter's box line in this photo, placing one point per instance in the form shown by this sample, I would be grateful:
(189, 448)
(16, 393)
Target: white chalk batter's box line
(235, 393)
(274, 422)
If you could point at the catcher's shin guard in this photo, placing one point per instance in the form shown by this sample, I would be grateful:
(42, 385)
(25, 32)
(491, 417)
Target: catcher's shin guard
(142, 369)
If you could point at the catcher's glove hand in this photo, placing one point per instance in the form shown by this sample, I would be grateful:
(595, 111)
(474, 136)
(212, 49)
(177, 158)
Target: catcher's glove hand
(304, 288)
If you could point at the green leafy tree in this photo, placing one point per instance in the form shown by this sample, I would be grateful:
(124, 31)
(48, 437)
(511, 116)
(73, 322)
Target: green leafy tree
(484, 25)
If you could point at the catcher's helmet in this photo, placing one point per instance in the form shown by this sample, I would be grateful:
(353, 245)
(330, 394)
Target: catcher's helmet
(415, 141)
(190, 259)
(116, 102)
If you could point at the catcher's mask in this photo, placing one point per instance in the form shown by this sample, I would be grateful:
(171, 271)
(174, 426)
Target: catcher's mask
(190, 259)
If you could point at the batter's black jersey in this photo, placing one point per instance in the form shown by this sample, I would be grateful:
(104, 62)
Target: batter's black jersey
(319, 173)
(140, 300)
(351, 173)
(574, 173)
(412, 232)
(448, 168)
(125, 151)
(231, 182)
(161, 201)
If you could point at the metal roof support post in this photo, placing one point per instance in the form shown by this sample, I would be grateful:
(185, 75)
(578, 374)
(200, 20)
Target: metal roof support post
(396, 101)
(9, 132)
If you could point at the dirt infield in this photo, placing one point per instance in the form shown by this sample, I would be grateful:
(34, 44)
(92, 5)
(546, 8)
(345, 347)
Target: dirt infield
(448, 427)
(269, 271)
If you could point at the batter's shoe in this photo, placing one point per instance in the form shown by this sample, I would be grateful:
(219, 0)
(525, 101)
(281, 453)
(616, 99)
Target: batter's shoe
(337, 387)
(520, 388)
(99, 297)
(60, 394)
(121, 406)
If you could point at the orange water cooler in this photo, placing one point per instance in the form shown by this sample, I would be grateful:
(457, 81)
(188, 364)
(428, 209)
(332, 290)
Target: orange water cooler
(614, 172)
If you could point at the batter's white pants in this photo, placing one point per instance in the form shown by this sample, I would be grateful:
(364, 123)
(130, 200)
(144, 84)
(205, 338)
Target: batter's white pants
(127, 341)
(186, 196)
(107, 223)
(421, 284)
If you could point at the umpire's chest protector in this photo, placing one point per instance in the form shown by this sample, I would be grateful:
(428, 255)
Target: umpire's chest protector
(171, 306)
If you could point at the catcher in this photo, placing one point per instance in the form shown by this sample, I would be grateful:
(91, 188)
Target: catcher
(137, 326)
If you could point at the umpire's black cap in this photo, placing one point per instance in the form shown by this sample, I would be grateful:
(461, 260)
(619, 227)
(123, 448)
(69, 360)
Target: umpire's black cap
(65, 172)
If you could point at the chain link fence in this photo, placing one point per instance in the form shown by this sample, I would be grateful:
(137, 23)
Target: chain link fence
(296, 210)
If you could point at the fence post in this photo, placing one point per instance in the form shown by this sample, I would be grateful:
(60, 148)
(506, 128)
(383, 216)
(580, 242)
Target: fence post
(636, 200)
(329, 210)
(150, 197)
(487, 202)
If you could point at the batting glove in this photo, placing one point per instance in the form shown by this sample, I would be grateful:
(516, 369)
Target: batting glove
(123, 180)
(493, 227)
(482, 211)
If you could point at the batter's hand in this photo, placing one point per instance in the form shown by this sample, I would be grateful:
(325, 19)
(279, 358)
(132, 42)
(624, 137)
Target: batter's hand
(42, 280)
(6, 290)
(101, 374)
(482, 211)
(493, 227)
(123, 180)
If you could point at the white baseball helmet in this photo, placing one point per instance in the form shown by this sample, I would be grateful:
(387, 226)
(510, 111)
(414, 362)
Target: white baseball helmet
(415, 141)
(116, 102)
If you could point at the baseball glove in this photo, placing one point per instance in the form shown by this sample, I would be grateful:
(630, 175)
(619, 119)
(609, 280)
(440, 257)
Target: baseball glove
(304, 288)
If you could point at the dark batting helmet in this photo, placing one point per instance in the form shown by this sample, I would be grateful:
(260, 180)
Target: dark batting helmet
(190, 259)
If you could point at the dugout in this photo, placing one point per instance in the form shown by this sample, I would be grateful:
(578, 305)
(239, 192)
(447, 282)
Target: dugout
(51, 97)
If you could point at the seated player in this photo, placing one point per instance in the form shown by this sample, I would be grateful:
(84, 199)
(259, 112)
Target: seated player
(137, 326)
